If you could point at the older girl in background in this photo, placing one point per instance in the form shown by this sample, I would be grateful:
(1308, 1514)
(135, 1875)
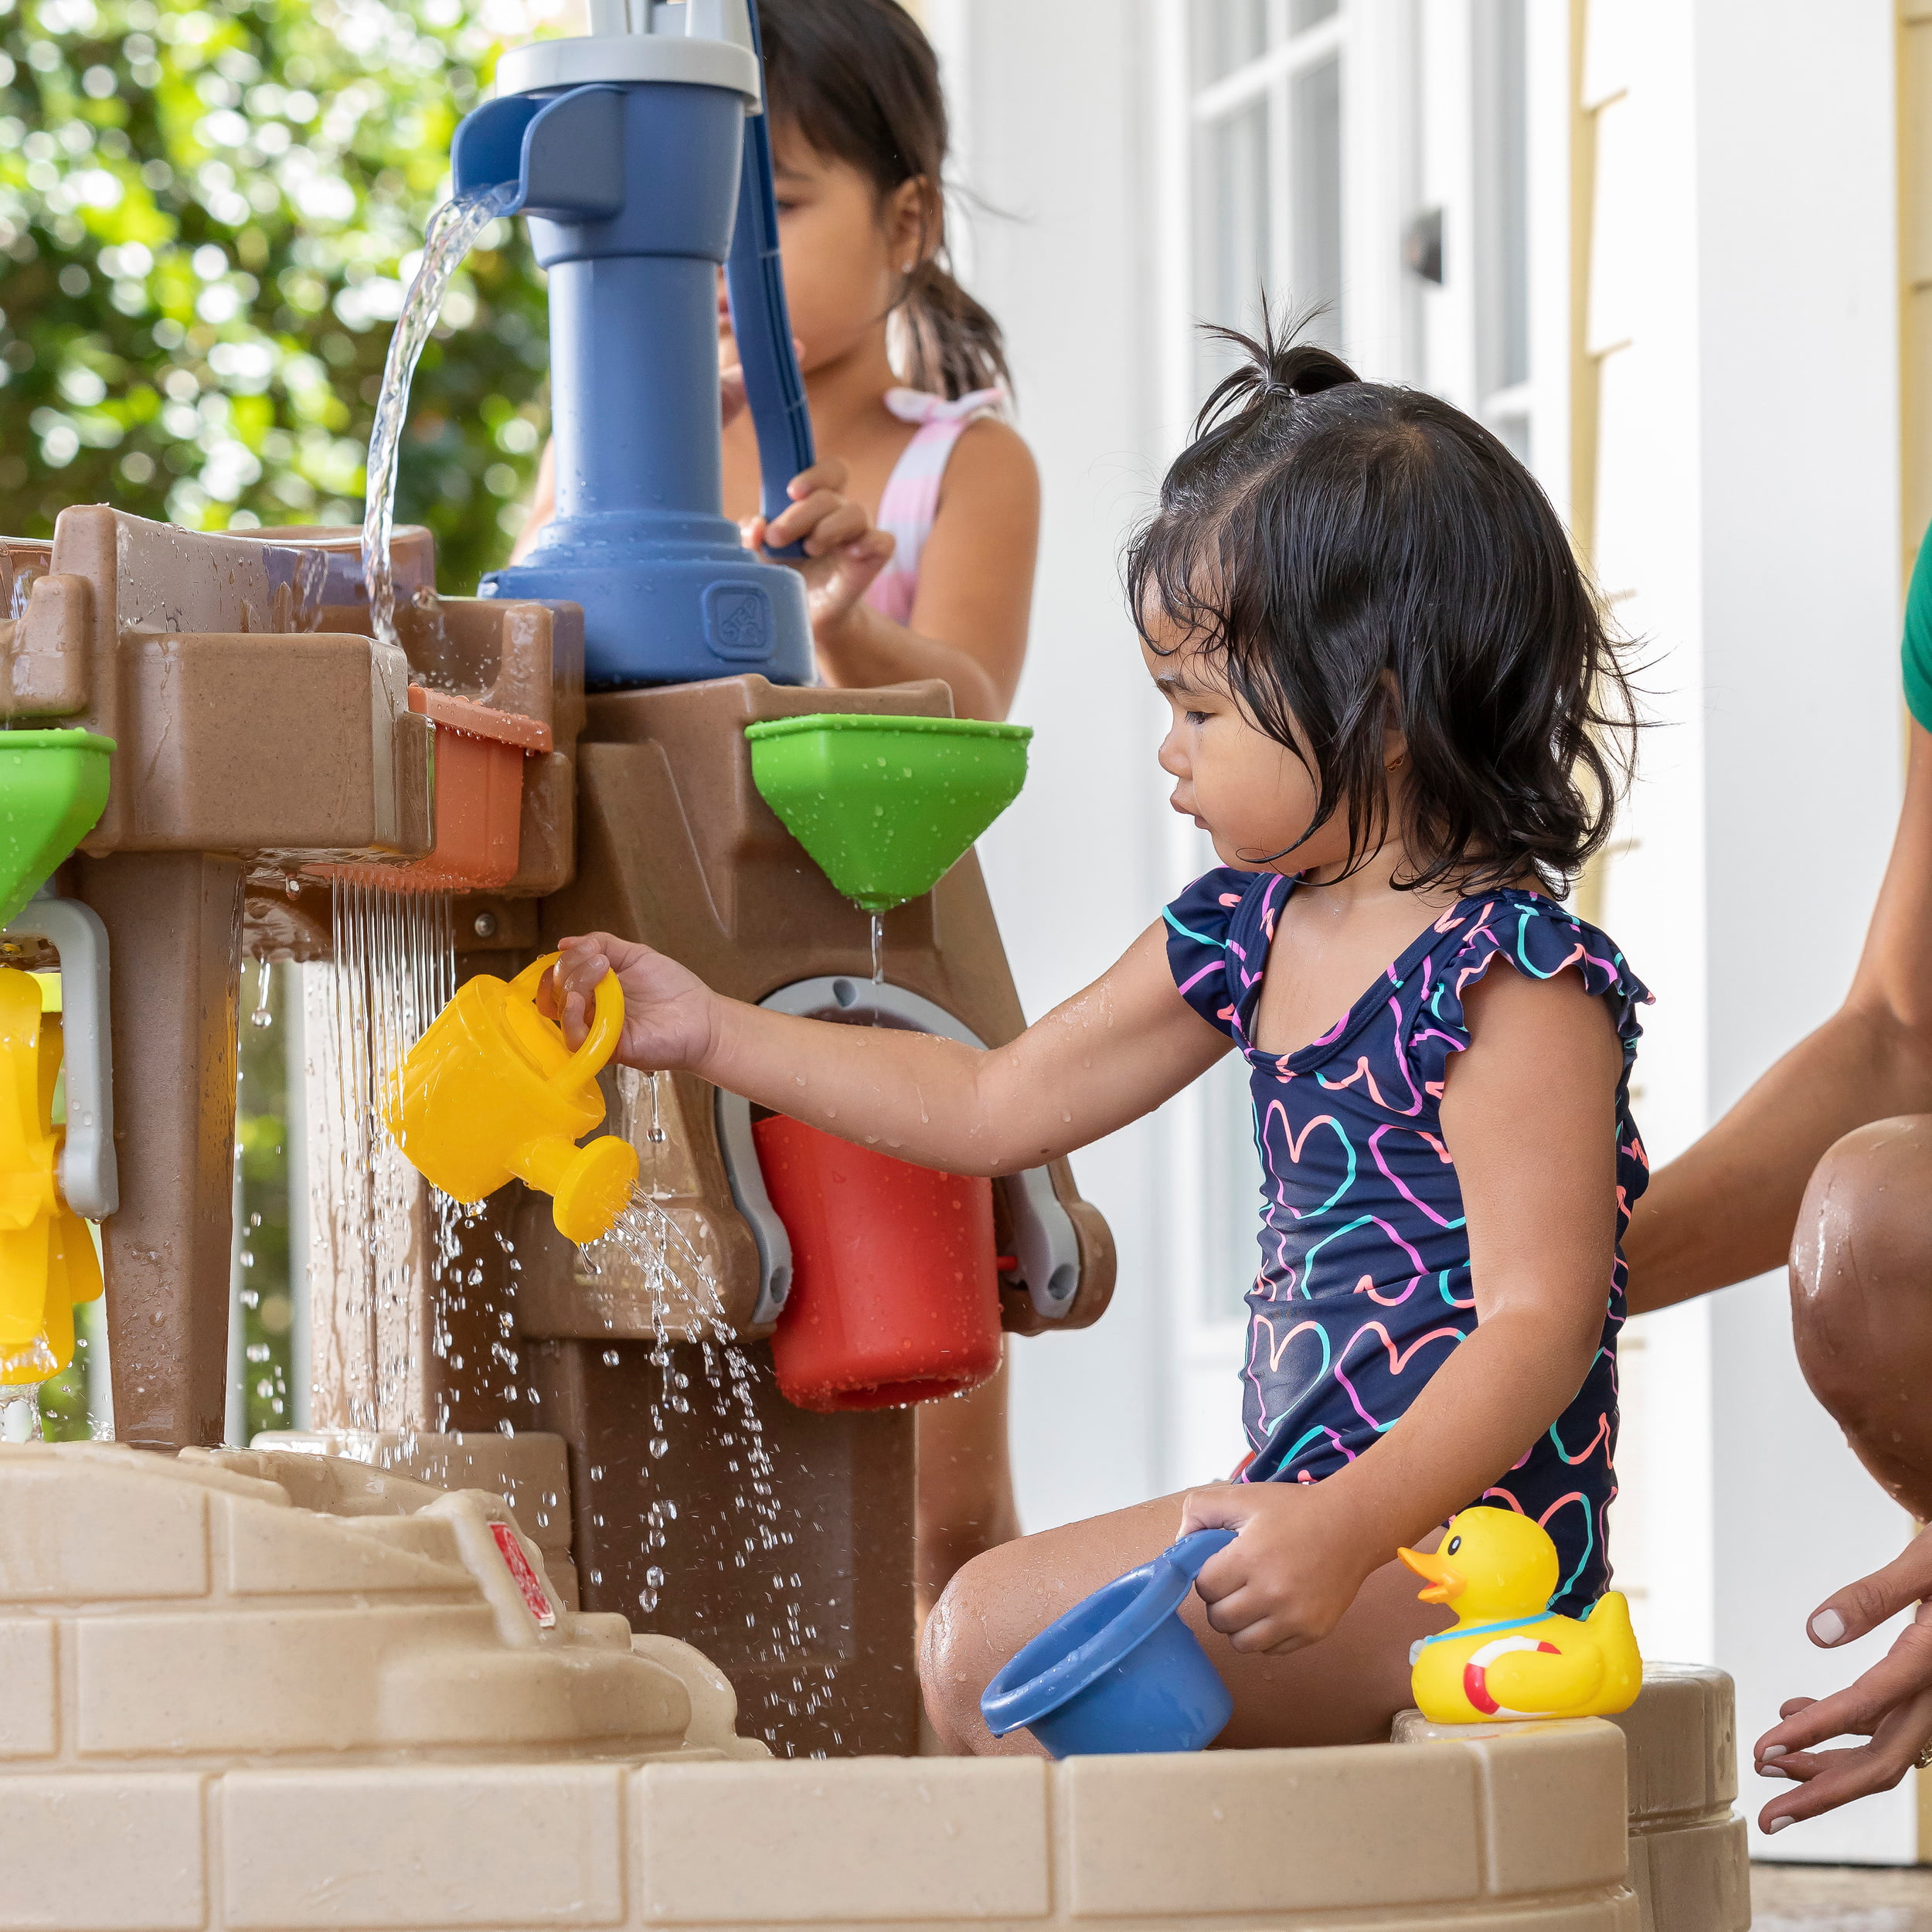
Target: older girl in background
(922, 515)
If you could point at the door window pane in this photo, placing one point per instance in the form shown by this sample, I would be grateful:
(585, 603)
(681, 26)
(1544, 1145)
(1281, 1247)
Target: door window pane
(1315, 174)
(1228, 34)
(1501, 116)
(1308, 13)
(1231, 215)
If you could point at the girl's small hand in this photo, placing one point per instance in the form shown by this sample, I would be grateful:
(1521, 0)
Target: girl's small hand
(1294, 1567)
(668, 1011)
(843, 553)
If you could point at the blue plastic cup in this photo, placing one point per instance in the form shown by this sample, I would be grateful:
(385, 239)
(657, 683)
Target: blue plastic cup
(1120, 1671)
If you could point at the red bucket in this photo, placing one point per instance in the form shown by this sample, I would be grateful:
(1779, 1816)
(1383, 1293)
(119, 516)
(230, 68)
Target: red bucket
(895, 1288)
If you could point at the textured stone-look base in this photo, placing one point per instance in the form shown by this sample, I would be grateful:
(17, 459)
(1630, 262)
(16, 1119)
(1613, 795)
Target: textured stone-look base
(1515, 1834)
(1688, 1856)
(249, 1691)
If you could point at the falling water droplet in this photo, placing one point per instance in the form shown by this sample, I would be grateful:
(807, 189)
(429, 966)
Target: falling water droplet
(659, 1446)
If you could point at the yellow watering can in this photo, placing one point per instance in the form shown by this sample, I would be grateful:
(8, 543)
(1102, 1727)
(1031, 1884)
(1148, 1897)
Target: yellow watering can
(47, 1258)
(492, 1093)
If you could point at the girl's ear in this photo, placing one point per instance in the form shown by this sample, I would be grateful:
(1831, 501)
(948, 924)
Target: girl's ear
(1395, 740)
(913, 217)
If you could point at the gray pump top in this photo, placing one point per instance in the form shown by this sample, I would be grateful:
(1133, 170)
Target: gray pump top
(705, 43)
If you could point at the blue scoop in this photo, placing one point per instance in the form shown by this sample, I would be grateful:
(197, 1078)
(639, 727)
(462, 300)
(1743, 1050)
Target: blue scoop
(1120, 1671)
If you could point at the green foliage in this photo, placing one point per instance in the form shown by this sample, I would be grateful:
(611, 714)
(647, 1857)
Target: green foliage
(207, 218)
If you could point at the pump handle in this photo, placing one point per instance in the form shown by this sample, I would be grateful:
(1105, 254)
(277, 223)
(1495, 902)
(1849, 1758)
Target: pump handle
(761, 324)
(606, 1022)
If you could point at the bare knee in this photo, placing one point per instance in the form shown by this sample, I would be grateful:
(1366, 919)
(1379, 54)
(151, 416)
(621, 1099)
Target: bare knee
(1861, 1312)
(957, 1659)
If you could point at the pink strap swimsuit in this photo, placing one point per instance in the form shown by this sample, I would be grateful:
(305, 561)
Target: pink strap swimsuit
(910, 499)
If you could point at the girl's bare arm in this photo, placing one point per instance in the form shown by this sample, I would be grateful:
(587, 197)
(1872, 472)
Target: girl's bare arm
(969, 618)
(1528, 1113)
(1104, 1058)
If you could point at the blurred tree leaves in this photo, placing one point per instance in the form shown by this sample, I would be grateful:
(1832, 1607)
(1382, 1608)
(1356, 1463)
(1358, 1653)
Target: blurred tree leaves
(208, 217)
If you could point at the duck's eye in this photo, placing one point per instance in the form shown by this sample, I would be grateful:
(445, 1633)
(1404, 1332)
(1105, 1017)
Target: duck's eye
(1455, 1543)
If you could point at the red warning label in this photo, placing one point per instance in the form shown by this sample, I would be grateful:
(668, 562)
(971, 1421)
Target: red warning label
(527, 1580)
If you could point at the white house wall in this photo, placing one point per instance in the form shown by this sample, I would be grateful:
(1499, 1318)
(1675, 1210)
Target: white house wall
(1743, 307)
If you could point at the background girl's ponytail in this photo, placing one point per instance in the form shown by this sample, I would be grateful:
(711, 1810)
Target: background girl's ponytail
(860, 82)
(952, 345)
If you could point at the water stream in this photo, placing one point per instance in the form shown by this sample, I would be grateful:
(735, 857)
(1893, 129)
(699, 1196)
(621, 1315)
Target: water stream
(379, 1232)
(453, 230)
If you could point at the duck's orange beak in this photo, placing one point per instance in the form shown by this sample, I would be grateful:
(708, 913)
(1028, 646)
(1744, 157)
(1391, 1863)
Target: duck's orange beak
(1445, 1581)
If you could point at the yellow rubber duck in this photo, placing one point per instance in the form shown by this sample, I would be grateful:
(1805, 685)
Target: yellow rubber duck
(1508, 1656)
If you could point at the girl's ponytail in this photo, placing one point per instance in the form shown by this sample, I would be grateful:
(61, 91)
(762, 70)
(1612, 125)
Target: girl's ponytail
(859, 81)
(952, 345)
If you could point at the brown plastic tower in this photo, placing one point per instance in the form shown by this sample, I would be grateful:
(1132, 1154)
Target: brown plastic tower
(265, 746)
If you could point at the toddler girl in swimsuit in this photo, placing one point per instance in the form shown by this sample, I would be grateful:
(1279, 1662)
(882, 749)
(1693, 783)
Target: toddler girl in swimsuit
(1396, 715)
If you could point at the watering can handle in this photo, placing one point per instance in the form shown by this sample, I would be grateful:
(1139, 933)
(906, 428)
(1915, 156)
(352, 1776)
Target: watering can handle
(761, 323)
(606, 1022)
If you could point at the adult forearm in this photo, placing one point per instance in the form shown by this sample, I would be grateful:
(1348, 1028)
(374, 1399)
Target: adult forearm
(1724, 1210)
(866, 649)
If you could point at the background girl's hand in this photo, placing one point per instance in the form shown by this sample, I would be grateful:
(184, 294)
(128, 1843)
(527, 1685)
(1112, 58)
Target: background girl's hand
(1292, 1569)
(843, 553)
(668, 1010)
(1891, 1704)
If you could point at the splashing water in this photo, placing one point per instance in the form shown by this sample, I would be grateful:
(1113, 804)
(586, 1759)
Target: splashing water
(25, 577)
(261, 1015)
(453, 232)
(686, 1305)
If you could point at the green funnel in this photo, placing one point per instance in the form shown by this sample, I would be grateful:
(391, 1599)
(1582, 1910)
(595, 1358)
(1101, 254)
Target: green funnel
(53, 788)
(887, 805)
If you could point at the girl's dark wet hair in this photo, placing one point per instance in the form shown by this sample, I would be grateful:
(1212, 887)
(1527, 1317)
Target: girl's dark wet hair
(1354, 555)
(860, 82)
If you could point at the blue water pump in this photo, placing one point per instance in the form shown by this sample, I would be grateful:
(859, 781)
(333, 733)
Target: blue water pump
(640, 154)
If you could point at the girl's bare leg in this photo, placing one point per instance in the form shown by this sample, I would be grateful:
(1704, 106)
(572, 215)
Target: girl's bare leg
(1344, 1690)
(965, 1505)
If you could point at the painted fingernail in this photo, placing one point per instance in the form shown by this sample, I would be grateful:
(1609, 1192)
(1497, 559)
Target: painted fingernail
(1778, 1823)
(1828, 1627)
(1774, 1750)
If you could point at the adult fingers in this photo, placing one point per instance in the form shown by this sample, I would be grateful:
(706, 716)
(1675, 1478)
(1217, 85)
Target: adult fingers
(1837, 1777)
(1904, 1672)
(1862, 1606)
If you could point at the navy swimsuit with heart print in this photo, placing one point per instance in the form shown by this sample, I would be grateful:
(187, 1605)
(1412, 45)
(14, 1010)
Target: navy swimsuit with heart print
(1364, 1287)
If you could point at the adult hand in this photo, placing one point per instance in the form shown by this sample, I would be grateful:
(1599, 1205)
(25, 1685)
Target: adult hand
(1891, 1704)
